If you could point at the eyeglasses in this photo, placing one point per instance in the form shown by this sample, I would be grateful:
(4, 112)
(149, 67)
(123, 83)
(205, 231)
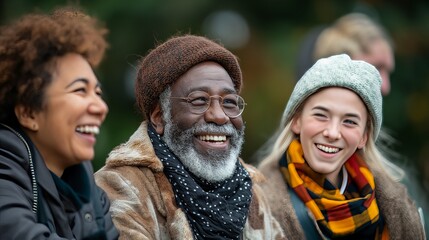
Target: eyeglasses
(199, 101)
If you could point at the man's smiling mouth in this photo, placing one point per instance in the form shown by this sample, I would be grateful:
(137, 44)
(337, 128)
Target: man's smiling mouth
(212, 138)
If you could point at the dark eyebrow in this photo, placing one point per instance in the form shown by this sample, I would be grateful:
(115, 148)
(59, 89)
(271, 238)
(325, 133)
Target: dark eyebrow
(353, 115)
(84, 80)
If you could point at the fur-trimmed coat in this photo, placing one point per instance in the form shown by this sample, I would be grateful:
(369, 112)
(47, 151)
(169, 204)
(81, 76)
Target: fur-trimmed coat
(398, 210)
(142, 200)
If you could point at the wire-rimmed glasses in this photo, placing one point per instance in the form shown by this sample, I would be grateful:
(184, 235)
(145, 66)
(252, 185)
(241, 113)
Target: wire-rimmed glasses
(199, 102)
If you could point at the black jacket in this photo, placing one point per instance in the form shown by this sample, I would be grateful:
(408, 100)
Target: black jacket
(30, 202)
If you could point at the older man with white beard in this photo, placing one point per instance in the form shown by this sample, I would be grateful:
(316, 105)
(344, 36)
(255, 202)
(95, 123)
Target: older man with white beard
(179, 176)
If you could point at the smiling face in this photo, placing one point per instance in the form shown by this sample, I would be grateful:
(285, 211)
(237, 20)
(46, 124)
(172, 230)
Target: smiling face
(208, 144)
(73, 110)
(331, 127)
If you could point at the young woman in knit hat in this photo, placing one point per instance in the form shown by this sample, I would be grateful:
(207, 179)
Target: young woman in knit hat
(51, 110)
(326, 178)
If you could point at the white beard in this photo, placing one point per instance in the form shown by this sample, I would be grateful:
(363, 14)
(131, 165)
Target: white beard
(214, 166)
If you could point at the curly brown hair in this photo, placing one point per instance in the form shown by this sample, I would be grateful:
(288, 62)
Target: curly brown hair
(29, 48)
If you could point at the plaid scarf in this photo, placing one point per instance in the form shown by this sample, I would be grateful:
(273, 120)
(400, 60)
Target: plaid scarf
(351, 214)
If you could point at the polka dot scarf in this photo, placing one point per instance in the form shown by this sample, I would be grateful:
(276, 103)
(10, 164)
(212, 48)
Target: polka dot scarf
(214, 210)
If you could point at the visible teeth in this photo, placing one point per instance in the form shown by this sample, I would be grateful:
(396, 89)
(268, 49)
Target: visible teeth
(88, 129)
(213, 138)
(327, 149)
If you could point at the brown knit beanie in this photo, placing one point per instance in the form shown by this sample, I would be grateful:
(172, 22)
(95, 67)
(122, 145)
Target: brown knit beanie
(173, 58)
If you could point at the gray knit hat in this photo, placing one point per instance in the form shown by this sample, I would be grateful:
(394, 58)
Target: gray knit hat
(340, 71)
(170, 60)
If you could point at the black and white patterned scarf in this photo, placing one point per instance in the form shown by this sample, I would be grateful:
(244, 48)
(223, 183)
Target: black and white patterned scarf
(214, 210)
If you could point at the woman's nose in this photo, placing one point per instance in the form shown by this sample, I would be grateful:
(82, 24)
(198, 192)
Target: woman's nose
(332, 131)
(98, 106)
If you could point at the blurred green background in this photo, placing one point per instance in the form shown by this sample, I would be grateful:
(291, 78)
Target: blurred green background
(266, 36)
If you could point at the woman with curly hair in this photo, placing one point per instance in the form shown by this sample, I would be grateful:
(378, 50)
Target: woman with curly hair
(51, 112)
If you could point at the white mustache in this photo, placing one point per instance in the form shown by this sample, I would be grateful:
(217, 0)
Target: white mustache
(227, 129)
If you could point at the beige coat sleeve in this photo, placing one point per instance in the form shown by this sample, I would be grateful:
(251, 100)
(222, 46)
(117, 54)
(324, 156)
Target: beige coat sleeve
(142, 204)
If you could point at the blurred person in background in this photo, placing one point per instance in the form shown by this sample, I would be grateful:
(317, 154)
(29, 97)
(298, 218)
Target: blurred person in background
(326, 178)
(356, 35)
(179, 176)
(51, 111)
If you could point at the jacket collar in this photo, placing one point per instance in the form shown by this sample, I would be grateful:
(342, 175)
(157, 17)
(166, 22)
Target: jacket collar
(44, 181)
(41, 172)
(137, 151)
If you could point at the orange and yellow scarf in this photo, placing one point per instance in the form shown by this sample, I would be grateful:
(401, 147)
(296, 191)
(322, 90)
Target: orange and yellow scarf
(353, 213)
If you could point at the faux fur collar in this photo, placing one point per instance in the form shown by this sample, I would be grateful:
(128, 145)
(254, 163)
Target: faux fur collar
(137, 151)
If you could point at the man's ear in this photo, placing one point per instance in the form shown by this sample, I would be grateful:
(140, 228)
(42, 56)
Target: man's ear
(26, 118)
(156, 119)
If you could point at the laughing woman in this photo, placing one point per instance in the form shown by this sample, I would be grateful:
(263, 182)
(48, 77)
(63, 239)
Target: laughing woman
(51, 112)
(326, 177)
